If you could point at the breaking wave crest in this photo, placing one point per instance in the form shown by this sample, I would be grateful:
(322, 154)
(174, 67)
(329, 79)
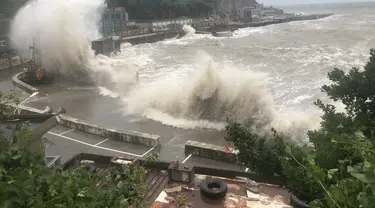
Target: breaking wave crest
(213, 95)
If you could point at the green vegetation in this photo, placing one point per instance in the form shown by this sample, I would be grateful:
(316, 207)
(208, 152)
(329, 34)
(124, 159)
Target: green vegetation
(164, 9)
(138, 10)
(26, 181)
(338, 169)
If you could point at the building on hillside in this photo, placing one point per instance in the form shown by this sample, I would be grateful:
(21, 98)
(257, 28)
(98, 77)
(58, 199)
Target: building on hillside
(245, 14)
(114, 21)
(8, 55)
(170, 25)
(271, 11)
(233, 7)
(203, 23)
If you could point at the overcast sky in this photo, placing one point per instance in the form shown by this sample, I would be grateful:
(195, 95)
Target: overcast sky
(283, 2)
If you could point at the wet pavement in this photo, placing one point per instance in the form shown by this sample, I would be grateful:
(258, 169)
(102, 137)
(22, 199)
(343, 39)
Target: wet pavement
(85, 103)
(67, 143)
(6, 84)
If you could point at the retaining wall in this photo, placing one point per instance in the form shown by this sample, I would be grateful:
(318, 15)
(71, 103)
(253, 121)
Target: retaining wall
(210, 151)
(150, 140)
(17, 81)
(134, 137)
(150, 38)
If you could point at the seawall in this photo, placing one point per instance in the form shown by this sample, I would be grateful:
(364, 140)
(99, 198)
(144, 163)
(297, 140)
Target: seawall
(155, 37)
(150, 37)
(237, 26)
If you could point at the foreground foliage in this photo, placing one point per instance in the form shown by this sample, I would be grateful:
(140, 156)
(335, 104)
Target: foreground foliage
(26, 181)
(338, 170)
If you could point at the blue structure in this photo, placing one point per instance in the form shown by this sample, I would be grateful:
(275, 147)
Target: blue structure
(114, 21)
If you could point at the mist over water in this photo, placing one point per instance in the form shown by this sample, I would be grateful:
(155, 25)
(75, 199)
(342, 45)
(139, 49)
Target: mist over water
(211, 95)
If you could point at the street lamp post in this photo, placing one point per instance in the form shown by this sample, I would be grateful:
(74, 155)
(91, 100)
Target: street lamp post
(24, 101)
(36, 143)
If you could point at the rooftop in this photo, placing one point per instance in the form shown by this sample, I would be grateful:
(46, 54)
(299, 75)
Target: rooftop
(163, 191)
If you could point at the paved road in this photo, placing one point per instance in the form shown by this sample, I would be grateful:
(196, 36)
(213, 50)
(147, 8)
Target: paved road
(6, 82)
(67, 143)
(84, 102)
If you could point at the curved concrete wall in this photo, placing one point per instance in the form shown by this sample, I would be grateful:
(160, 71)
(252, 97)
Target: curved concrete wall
(150, 140)
(17, 81)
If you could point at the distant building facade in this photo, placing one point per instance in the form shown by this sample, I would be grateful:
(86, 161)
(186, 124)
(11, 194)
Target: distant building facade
(271, 11)
(234, 7)
(8, 56)
(114, 21)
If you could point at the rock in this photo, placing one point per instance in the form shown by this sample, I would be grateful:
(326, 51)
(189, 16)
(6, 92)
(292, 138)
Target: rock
(169, 198)
(266, 201)
(174, 189)
(255, 190)
(252, 183)
(234, 186)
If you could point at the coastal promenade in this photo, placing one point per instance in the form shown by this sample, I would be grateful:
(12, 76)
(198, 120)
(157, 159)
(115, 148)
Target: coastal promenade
(84, 102)
(158, 36)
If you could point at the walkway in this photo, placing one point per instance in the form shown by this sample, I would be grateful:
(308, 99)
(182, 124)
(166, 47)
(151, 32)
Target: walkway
(86, 104)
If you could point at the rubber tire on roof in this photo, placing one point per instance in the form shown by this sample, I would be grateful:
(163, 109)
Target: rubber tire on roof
(297, 203)
(91, 168)
(206, 189)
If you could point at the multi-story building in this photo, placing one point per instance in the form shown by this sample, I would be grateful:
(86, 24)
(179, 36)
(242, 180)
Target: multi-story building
(4, 40)
(8, 56)
(234, 7)
(114, 21)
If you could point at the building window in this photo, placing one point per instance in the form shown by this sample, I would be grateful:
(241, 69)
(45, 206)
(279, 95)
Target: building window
(2, 43)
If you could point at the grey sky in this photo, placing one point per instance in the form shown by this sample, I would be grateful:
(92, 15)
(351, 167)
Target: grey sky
(281, 2)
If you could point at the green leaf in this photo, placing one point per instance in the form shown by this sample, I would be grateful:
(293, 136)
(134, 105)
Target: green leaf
(331, 172)
(362, 177)
(359, 135)
(120, 184)
(16, 157)
(81, 194)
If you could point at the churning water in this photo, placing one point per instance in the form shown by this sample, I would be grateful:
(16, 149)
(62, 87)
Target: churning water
(261, 77)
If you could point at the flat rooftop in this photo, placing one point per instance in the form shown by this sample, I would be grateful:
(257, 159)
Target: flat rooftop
(162, 192)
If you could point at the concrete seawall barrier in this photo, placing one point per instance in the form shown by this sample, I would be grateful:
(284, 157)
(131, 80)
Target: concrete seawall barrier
(17, 81)
(149, 37)
(234, 27)
(210, 151)
(134, 137)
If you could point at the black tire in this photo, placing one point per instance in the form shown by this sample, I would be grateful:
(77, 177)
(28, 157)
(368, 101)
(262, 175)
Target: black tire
(297, 203)
(213, 189)
(91, 168)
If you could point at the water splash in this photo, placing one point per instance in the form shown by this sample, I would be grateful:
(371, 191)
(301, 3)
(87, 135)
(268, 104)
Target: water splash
(63, 31)
(213, 95)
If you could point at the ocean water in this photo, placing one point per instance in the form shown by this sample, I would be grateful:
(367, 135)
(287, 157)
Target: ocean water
(261, 77)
